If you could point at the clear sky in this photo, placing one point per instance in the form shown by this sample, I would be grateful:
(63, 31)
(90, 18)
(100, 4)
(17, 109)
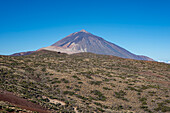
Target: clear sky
(140, 26)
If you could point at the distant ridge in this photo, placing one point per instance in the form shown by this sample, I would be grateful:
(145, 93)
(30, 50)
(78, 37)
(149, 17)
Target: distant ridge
(23, 53)
(84, 41)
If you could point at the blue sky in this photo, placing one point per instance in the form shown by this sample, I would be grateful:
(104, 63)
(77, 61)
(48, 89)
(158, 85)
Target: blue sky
(140, 26)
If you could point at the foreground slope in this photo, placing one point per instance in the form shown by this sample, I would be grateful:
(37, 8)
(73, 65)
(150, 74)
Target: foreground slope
(86, 82)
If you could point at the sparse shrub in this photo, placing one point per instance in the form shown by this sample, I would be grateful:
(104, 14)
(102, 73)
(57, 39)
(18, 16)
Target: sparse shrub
(98, 104)
(106, 80)
(46, 100)
(120, 107)
(9, 110)
(76, 77)
(76, 89)
(106, 88)
(68, 87)
(44, 69)
(64, 80)
(144, 107)
(80, 82)
(68, 92)
(162, 107)
(95, 82)
(88, 76)
(151, 93)
(99, 94)
(142, 99)
(120, 95)
(81, 97)
(57, 81)
(100, 109)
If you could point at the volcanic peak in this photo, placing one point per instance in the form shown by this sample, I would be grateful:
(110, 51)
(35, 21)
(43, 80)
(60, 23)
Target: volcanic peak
(83, 31)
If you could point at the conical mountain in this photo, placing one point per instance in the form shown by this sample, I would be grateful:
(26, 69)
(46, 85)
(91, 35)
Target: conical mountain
(84, 41)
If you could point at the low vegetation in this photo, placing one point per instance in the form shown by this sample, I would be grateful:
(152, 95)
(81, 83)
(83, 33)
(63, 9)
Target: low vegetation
(85, 82)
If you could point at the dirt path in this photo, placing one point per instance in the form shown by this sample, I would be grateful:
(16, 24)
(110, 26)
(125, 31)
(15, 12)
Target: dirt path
(75, 109)
(55, 101)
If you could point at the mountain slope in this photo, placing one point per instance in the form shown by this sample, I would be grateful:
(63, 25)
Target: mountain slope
(84, 41)
(23, 53)
(86, 82)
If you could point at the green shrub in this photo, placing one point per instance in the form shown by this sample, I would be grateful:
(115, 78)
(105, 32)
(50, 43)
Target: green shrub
(99, 94)
(162, 107)
(106, 88)
(76, 89)
(76, 77)
(95, 82)
(68, 92)
(9, 110)
(98, 104)
(100, 109)
(120, 95)
(144, 107)
(80, 82)
(43, 69)
(142, 99)
(46, 100)
(64, 80)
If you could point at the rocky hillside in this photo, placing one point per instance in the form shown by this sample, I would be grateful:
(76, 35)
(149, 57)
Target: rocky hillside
(83, 82)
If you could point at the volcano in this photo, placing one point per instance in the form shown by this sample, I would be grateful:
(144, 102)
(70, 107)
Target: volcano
(84, 41)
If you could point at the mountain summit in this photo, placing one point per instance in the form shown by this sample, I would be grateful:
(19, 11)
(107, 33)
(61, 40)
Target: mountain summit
(83, 31)
(84, 41)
